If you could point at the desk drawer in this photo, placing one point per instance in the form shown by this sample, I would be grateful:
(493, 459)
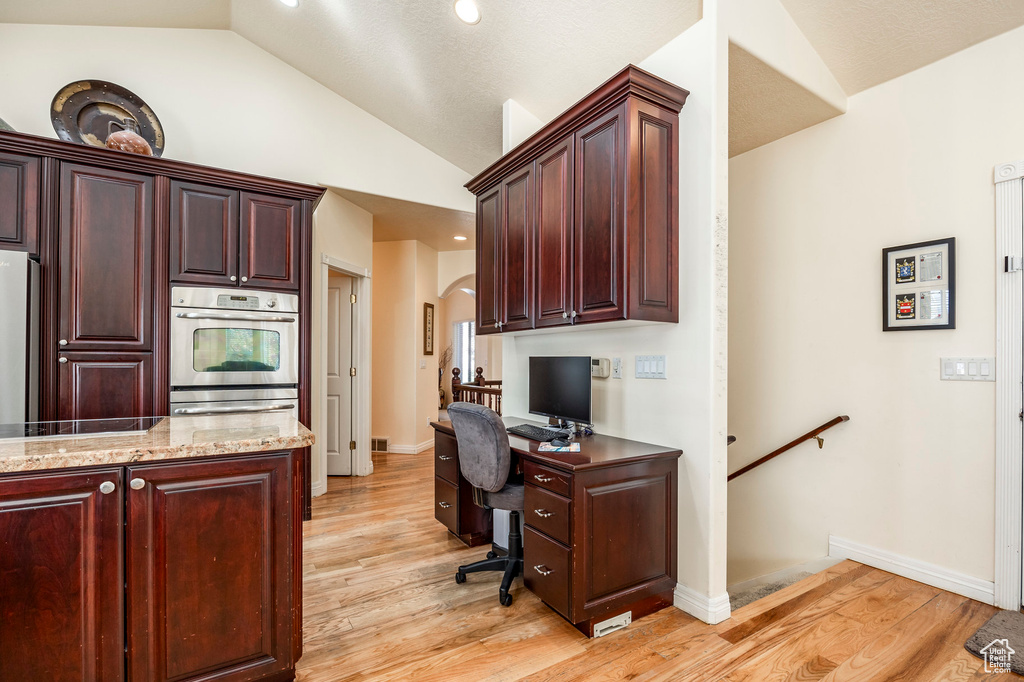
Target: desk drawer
(446, 504)
(548, 513)
(552, 479)
(446, 457)
(546, 570)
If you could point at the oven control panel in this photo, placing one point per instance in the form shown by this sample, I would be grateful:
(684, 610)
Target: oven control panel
(233, 299)
(238, 302)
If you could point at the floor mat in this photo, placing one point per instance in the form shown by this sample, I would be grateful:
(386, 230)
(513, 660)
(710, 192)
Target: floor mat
(1000, 642)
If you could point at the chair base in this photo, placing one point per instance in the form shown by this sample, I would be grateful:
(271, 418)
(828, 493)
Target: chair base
(511, 564)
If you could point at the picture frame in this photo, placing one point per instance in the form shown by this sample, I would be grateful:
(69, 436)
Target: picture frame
(919, 286)
(428, 328)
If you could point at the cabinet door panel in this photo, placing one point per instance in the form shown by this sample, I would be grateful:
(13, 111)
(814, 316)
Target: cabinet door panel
(554, 235)
(269, 242)
(209, 557)
(105, 385)
(517, 245)
(61, 579)
(598, 218)
(204, 234)
(488, 261)
(653, 215)
(19, 202)
(106, 259)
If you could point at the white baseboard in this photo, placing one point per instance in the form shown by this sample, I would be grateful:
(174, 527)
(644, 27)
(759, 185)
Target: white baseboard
(319, 489)
(922, 572)
(711, 610)
(411, 449)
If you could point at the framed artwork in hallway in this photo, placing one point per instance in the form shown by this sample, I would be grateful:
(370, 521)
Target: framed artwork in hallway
(919, 285)
(428, 328)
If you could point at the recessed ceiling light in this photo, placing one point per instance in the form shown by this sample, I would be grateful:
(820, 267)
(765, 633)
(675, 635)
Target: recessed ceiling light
(459, 238)
(290, 3)
(467, 11)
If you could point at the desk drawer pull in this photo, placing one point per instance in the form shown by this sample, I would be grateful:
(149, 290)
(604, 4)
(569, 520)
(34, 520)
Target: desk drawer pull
(543, 570)
(543, 513)
(445, 458)
(543, 479)
(444, 505)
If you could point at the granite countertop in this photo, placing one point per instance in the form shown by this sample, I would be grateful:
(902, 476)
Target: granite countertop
(172, 438)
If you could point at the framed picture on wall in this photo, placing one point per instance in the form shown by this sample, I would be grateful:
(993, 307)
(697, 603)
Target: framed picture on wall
(919, 286)
(428, 328)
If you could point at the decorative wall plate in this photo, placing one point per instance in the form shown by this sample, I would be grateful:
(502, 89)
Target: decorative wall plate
(81, 112)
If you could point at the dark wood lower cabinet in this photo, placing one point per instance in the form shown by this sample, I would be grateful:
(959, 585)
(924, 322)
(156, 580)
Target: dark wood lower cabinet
(105, 385)
(182, 571)
(209, 555)
(61, 577)
(453, 495)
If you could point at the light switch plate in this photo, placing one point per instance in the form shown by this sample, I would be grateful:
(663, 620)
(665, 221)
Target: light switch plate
(967, 369)
(651, 367)
(616, 368)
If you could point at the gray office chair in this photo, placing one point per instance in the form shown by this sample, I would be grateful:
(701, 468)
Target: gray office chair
(484, 459)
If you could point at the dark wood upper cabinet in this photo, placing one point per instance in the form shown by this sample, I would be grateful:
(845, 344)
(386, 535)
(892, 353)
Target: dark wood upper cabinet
(554, 235)
(604, 207)
(204, 234)
(488, 261)
(598, 218)
(106, 260)
(210, 550)
(19, 202)
(517, 266)
(96, 385)
(60, 545)
(269, 242)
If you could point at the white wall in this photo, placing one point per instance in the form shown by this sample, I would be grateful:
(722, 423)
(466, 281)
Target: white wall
(343, 231)
(453, 266)
(913, 471)
(224, 102)
(686, 411)
(426, 365)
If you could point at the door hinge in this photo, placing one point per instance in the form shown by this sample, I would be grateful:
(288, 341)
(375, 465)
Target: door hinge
(1021, 416)
(1013, 263)
(351, 371)
(352, 298)
(351, 445)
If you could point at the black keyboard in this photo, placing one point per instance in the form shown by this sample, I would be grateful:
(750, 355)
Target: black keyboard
(535, 432)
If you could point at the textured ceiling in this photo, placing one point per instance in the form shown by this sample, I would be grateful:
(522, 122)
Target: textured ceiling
(867, 42)
(396, 220)
(148, 13)
(765, 106)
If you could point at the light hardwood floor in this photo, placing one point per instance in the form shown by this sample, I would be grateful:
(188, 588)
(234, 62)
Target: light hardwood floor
(381, 603)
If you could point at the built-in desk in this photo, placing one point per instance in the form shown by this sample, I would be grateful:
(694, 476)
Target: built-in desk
(600, 537)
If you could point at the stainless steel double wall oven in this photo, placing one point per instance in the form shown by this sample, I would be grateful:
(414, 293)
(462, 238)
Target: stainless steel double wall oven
(234, 351)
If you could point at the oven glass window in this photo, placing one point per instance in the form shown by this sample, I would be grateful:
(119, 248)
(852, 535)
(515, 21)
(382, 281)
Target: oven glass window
(236, 350)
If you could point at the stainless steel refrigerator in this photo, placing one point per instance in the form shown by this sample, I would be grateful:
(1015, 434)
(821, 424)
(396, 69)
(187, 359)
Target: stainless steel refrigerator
(19, 338)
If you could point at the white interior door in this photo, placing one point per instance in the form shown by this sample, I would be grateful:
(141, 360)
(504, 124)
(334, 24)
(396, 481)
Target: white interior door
(339, 379)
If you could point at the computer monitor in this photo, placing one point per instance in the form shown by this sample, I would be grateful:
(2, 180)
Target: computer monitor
(560, 388)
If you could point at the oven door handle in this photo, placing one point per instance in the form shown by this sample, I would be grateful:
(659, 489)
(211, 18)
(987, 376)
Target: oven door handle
(234, 316)
(221, 410)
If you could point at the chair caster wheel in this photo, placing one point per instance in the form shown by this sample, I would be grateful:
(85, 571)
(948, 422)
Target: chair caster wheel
(492, 555)
(505, 599)
(460, 578)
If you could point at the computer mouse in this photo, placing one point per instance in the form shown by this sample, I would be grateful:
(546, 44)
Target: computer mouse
(560, 443)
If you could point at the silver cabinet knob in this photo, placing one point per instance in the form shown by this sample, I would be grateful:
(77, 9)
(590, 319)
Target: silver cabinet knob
(233, 278)
(62, 342)
(496, 325)
(565, 315)
(107, 487)
(543, 570)
(444, 505)
(137, 484)
(62, 361)
(573, 314)
(245, 279)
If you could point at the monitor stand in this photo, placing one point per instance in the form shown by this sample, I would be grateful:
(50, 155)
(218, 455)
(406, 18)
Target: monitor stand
(563, 425)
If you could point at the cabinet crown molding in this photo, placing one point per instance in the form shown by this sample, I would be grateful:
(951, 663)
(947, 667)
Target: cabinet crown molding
(36, 145)
(631, 81)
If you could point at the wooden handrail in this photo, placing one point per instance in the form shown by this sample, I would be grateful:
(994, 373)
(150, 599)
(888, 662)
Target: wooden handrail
(807, 436)
(480, 392)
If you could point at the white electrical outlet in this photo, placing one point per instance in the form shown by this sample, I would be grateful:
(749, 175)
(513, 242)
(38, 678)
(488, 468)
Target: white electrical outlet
(616, 368)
